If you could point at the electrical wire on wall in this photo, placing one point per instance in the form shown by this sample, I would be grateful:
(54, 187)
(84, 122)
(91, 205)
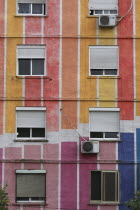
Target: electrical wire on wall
(66, 118)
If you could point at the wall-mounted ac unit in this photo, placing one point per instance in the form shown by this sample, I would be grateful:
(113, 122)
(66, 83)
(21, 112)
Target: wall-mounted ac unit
(107, 20)
(89, 147)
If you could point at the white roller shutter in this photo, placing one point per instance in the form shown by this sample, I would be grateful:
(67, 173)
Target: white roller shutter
(31, 52)
(32, 1)
(104, 121)
(103, 57)
(103, 4)
(30, 119)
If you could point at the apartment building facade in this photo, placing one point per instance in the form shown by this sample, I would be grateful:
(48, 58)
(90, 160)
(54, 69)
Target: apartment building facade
(69, 108)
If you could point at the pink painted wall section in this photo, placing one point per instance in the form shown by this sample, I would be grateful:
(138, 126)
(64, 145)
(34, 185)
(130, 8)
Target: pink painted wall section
(52, 22)
(11, 153)
(32, 152)
(125, 83)
(88, 163)
(1, 154)
(50, 152)
(69, 175)
(33, 26)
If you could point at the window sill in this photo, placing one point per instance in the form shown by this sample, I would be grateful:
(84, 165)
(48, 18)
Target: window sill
(33, 77)
(104, 203)
(30, 140)
(103, 77)
(105, 140)
(96, 16)
(23, 15)
(29, 204)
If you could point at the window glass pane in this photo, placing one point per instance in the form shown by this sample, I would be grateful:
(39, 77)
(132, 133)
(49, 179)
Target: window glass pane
(111, 135)
(96, 71)
(106, 11)
(98, 12)
(24, 8)
(95, 185)
(22, 199)
(96, 135)
(109, 189)
(91, 12)
(24, 66)
(113, 11)
(38, 132)
(37, 8)
(110, 71)
(23, 132)
(38, 67)
(38, 199)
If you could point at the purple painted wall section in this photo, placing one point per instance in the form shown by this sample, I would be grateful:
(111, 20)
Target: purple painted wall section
(88, 163)
(1, 152)
(69, 175)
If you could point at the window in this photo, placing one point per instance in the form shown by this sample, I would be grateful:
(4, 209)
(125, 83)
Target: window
(31, 7)
(30, 185)
(103, 60)
(31, 60)
(31, 122)
(104, 186)
(101, 7)
(104, 123)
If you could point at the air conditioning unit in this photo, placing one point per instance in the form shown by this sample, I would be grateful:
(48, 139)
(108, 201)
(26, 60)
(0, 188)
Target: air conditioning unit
(107, 20)
(89, 147)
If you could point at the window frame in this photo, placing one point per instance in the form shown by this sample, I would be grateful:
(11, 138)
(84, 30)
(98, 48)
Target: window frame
(33, 47)
(117, 186)
(31, 2)
(104, 110)
(31, 109)
(103, 12)
(20, 171)
(104, 47)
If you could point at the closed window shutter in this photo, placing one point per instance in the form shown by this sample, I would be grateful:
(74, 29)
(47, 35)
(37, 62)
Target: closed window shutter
(109, 186)
(104, 121)
(31, 185)
(31, 52)
(104, 57)
(103, 4)
(30, 119)
(32, 1)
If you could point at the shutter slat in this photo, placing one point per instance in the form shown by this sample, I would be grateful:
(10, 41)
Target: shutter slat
(104, 57)
(31, 185)
(31, 119)
(103, 4)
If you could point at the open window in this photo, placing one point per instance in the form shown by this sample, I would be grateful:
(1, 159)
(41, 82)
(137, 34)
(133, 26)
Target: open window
(31, 7)
(104, 123)
(31, 60)
(103, 7)
(30, 185)
(103, 60)
(31, 122)
(104, 187)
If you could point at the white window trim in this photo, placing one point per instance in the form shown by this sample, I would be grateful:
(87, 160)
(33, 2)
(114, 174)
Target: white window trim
(31, 172)
(103, 46)
(103, 110)
(43, 2)
(118, 187)
(33, 47)
(31, 109)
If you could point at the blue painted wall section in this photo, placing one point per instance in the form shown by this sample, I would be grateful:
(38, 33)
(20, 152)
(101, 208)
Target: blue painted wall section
(138, 157)
(126, 168)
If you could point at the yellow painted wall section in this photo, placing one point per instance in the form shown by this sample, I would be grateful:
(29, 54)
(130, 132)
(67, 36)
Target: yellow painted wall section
(13, 85)
(137, 57)
(107, 87)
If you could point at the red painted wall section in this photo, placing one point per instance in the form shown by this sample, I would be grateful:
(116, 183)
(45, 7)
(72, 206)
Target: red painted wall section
(50, 152)
(89, 163)
(125, 83)
(33, 26)
(52, 22)
(69, 175)
(51, 84)
(11, 153)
